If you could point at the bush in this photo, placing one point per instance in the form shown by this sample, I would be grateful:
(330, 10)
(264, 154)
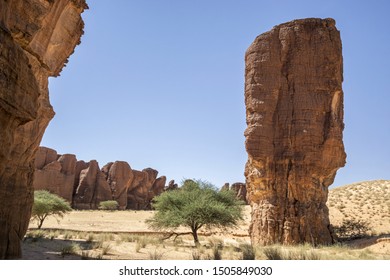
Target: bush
(108, 205)
(351, 229)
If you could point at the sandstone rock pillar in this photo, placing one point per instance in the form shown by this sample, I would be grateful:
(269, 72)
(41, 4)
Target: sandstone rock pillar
(294, 114)
(36, 39)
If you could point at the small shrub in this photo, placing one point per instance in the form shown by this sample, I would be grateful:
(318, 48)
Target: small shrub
(71, 249)
(110, 205)
(351, 229)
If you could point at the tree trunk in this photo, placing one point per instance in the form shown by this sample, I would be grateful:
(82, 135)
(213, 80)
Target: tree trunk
(40, 223)
(195, 235)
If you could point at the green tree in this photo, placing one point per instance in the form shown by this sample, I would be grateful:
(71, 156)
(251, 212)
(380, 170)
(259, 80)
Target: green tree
(48, 204)
(195, 205)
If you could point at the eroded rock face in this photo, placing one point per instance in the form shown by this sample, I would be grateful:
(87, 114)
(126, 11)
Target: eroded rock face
(294, 113)
(55, 173)
(119, 177)
(92, 188)
(36, 38)
(240, 191)
(85, 185)
(238, 188)
(140, 193)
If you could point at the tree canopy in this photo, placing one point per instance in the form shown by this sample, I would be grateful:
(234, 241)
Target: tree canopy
(195, 205)
(48, 204)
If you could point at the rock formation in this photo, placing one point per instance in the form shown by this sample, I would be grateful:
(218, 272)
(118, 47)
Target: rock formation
(238, 188)
(36, 39)
(55, 173)
(85, 185)
(294, 113)
(92, 188)
(144, 188)
(172, 186)
(119, 177)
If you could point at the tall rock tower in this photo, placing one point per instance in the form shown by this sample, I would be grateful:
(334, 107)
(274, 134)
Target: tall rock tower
(36, 39)
(294, 113)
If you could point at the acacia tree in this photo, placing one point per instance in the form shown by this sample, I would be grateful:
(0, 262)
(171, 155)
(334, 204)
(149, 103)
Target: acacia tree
(195, 205)
(48, 204)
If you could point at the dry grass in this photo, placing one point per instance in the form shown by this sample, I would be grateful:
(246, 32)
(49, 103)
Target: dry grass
(124, 234)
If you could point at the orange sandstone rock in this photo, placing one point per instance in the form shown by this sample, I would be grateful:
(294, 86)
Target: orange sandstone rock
(36, 39)
(294, 114)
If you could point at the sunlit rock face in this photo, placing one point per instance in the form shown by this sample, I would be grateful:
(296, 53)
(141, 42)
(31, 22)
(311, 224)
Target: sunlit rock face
(84, 185)
(294, 114)
(36, 39)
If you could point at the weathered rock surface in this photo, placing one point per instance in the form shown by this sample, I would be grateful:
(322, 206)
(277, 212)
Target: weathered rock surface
(141, 190)
(119, 177)
(55, 175)
(294, 113)
(238, 188)
(172, 186)
(36, 38)
(92, 188)
(85, 185)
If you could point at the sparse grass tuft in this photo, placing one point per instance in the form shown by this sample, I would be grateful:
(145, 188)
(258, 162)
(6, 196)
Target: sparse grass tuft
(156, 255)
(216, 253)
(35, 235)
(248, 252)
(273, 253)
(106, 248)
(196, 255)
(71, 249)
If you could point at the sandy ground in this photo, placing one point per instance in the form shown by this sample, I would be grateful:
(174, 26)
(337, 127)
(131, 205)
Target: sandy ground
(125, 235)
(120, 221)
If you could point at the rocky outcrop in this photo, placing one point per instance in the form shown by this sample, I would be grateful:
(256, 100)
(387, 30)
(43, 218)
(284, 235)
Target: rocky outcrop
(294, 113)
(238, 188)
(119, 177)
(141, 191)
(92, 188)
(55, 173)
(36, 38)
(85, 185)
(172, 186)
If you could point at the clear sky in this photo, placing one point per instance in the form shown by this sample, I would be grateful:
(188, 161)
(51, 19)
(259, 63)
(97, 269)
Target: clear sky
(161, 84)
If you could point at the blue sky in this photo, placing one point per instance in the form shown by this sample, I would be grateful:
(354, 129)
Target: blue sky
(161, 84)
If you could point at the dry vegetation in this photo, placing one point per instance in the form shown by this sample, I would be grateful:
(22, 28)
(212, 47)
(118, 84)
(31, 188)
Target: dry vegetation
(124, 234)
(366, 201)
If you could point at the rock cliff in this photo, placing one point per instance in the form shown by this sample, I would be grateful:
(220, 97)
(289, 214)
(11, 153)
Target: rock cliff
(294, 114)
(85, 185)
(36, 39)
